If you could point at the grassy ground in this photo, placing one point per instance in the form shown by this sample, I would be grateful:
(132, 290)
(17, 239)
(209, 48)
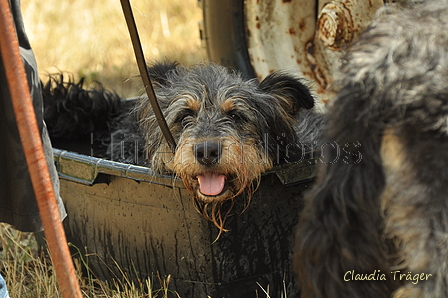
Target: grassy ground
(29, 274)
(90, 38)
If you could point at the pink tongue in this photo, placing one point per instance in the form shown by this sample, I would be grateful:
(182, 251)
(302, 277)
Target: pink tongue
(211, 184)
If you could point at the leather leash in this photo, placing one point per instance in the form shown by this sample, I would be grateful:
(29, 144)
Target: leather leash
(141, 62)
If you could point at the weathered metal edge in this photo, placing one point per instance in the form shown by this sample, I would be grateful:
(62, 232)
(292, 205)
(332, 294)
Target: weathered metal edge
(85, 169)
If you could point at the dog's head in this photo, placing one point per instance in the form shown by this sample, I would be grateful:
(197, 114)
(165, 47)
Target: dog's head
(228, 130)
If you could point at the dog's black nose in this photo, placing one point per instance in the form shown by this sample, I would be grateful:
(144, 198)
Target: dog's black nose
(208, 152)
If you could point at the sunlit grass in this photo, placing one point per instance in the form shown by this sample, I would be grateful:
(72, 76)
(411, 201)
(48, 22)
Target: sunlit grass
(90, 38)
(29, 274)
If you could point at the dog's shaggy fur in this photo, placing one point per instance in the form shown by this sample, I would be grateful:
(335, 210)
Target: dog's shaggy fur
(73, 112)
(383, 206)
(228, 130)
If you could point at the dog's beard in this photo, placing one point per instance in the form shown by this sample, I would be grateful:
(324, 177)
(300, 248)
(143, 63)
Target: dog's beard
(238, 170)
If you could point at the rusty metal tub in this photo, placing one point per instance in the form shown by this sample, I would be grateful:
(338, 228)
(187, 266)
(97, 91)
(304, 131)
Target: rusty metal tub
(129, 220)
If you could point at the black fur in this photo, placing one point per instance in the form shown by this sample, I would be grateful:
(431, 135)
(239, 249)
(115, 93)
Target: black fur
(103, 121)
(286, 85)
(72, 112)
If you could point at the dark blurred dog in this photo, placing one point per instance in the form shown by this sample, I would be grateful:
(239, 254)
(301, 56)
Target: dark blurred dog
(228, 130)
(76, 114)
(376, 222)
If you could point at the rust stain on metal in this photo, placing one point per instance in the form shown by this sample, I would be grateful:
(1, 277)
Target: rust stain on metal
(340, 21)
(292, 31)
(335, 26)
(310, 48)
(302, 25)
(316, 72)
(286, 1)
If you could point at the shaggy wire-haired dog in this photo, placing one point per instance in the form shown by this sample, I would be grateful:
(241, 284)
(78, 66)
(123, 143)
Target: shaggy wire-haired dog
(376, 222)
(228, 130)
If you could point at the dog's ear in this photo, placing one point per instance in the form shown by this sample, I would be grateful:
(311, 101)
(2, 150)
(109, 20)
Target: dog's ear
(291, 91)
(158, 72)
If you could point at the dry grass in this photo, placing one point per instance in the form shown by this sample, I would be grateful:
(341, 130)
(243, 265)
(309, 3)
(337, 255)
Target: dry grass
(29, 275)
(90, 38)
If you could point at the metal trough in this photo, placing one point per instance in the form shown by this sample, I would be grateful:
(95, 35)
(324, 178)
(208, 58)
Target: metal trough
(128, 219)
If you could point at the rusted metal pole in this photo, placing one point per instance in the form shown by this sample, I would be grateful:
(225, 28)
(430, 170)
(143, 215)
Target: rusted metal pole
(34, 154)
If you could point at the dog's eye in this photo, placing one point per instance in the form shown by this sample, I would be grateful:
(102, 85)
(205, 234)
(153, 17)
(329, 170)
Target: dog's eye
(185, 117)
(235, 116)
